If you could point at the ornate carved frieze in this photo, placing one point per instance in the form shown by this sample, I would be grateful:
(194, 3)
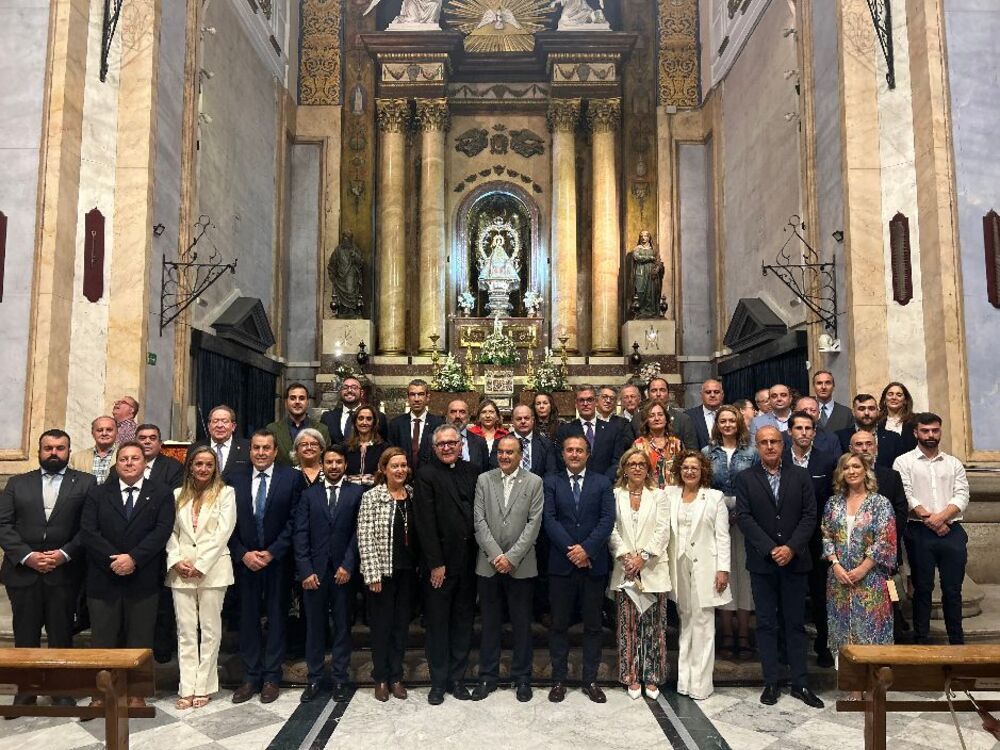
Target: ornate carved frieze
(679, 60)
(497, 170)
(472, 141)
(583, 73)
(526, 143)
(604, 115)
(493, 93)
(413, 73)
(320, 55)
(432, 115)
(563, 115)
(393, 115)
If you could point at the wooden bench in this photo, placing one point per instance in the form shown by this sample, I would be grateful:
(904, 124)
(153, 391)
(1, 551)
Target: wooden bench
(113, 675)
(878, 669)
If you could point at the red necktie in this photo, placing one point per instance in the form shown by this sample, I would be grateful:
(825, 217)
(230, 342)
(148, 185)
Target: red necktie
(415, 443)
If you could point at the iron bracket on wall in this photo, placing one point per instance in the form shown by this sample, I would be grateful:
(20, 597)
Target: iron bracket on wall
(197, 277)
(112, 11)
(813, 281)
(881, 11)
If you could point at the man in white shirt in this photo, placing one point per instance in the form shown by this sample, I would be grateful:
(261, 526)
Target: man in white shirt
(937, 492)
(231, 451)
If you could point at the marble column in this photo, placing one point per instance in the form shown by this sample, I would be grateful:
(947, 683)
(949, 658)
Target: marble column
(393, 116)
(432, 116)
(563, 116)
(604, 116)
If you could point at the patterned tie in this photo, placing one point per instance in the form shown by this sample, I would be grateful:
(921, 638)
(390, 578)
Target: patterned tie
(130, 502)
(526, 454)
(218, 453)
(576, 492)
(333, 495)
(588, 430)
(259, 504)
(775, 481)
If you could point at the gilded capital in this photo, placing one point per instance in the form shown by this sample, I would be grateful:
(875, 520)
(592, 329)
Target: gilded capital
(393, 115)
(564, 114)
(432, 115)
(604, 115)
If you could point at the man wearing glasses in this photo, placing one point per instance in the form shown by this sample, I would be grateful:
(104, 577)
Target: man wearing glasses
(231, 451)
(607, 398)
(340, 421)
(606, 440)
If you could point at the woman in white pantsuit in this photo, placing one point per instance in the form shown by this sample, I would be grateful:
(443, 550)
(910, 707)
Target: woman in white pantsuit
(199, 571)
(699, 568)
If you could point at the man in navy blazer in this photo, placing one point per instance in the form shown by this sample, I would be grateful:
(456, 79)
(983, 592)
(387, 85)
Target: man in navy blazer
(776, 511)
(266, 499)
(417, 419)
(339, 423)
(578, 518)
(703, 415)
(606, 441)
(326, 558)
(474, 448)
(538, 454)
(888, 444)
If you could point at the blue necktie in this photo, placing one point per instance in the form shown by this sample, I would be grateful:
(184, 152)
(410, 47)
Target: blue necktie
(130, 502)
(775, 481)
(333, 495)
(576, 492)
(526, 454)
(259, 504)
(588, 429)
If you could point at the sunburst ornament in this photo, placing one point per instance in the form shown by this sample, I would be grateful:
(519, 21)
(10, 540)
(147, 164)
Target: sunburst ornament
(498, 25)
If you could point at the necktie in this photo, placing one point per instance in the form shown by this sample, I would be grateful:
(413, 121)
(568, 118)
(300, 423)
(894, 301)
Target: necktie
(576, 491)
(49, 493)
(508, 483)
(824, 415)
(333, 495)
(218, 454)
(259, 503)
(130, 502)
(588, 430)
(526, 454)
(774, 480)
(415, 443)
(349, 426)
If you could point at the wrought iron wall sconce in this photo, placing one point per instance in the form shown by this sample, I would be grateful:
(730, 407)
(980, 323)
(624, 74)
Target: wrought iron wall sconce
(899, 259)
(182, 282)
(881, 12)
(112, 12)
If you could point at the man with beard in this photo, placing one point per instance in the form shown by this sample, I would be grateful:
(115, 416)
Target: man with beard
(937, 492)
(888, 445)
(339, 420)
(43, 559)
(474, 448)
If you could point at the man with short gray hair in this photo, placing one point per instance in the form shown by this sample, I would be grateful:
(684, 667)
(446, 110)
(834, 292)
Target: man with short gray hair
(99, 458)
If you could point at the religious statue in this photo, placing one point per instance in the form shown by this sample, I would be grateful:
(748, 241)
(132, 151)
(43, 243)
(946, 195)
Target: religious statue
(578, 15)
(344, 270)
(647, 278)
(414, 15)
(499, 272)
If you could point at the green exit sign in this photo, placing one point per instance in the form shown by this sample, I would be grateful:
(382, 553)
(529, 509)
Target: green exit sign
(150, 358)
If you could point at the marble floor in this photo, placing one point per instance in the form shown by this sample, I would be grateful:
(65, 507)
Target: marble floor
(732, 718)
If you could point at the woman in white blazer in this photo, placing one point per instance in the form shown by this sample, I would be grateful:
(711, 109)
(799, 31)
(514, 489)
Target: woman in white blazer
(199, 571)
(699, 568)
(640, 579)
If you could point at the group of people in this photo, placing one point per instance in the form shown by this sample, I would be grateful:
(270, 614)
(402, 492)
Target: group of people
(632, 508)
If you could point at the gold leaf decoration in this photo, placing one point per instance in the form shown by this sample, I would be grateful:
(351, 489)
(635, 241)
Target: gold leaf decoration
(319, 63)
(679, 63)
(494, 26)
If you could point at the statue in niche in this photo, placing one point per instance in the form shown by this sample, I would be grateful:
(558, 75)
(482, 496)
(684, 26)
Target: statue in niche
(344, 270)
(414, 15)
(578, 15)
(499, 271)
(647, 278)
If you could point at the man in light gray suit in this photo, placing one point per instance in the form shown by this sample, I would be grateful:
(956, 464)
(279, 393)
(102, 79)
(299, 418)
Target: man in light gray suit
(507, 514)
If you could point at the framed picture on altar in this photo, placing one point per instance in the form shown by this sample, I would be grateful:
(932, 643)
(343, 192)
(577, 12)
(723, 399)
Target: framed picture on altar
(499, 386)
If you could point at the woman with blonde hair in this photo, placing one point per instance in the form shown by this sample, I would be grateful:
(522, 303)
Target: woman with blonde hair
(657, 443)
(199, 571)
(640, 579)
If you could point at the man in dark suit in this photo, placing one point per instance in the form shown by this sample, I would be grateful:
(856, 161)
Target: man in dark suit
(888, 444)
(538, 454)
(338, 420)
(703, 415)
(804, 453)
(680, 423)
(266, 499)
(579, 515)
(326, 557)
(443, 496)
(42, 555)
(412, 430)
(296, 419)
(125, 527)
(605, 440)
(823, 439)
(231, 451)
(833, 416)
(159, 468)
(776, 512)
(607, 398)
(474, 448)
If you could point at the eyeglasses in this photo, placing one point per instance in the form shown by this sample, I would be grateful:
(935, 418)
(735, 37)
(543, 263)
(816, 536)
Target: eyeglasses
(585, 400)
(635, 466)
(308, 444)
(447, 443)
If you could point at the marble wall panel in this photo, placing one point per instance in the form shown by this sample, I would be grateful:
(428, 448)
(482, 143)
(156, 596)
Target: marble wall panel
(306, 260)
(85, 398)
(972, 29)
(24, 30)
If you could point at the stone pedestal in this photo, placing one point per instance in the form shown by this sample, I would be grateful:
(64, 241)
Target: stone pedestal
(341, 337)
(656, 338)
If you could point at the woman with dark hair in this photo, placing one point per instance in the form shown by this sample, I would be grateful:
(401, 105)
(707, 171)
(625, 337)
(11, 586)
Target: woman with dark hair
(365, 446)
(657, 443)
(199, 570)
(699, 568)
(730, 452)
(895, 407)
(388, 563)
(546, 414)
(488, 424)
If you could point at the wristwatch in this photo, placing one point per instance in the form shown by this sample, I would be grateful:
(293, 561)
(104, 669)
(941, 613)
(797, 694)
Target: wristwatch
(644, 555)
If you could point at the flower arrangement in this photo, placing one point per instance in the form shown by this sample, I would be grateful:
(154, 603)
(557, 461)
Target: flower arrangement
(466, 302)
(548, 376)
(532, 302)
(498, 348)
(649, 371)
(450, 377)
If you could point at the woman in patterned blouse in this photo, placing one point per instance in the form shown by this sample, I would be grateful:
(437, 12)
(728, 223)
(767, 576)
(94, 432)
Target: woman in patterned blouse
(657, 443)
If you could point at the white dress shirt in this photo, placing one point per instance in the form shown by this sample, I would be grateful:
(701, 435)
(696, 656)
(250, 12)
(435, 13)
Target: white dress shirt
(225, 448)
(934, 483)
(123, 489)
(256, 480)
(709, 418)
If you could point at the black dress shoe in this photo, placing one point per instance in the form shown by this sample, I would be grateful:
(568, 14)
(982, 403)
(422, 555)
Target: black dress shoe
(594, 692)
(482, 690)
(557, 693)
(340, 691)
(807, 696)
(824, 658)
(524, 692)
(460, 692)
(311, 691)
(435, 697)
(770, 695)
(22, 699)
(63, 700)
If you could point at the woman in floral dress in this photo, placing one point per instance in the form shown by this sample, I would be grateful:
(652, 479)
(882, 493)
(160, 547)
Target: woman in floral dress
(657, 443)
